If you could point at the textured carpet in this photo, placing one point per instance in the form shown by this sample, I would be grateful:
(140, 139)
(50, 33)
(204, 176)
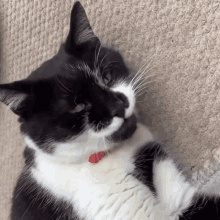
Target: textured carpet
(178, 39)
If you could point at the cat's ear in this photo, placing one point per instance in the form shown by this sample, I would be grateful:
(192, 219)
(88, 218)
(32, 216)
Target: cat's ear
(81, 36)
(18, 97)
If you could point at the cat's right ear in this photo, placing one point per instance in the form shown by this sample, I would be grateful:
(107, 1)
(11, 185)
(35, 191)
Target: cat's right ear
(18, 96)
(81, 37)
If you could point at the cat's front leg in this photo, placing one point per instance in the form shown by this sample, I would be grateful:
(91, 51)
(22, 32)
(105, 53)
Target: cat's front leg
(174, 192)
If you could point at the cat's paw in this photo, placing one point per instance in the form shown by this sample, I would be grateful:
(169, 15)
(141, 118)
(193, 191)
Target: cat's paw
(174, 193)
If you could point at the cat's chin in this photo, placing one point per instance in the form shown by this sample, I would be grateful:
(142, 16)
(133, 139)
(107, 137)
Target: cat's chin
(114, 126)
(125, 131)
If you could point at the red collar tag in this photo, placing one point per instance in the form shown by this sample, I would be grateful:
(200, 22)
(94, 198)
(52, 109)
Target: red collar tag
(95, 158)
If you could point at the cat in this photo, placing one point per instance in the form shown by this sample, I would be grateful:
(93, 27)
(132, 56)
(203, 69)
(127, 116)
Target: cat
(79, 103)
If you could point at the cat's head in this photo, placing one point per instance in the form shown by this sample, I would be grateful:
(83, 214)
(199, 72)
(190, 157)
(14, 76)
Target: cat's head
(84, 91)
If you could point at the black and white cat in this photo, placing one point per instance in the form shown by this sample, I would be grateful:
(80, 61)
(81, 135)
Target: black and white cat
(78, 104)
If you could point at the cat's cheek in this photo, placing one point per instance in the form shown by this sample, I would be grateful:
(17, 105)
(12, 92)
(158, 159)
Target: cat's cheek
(114, 126)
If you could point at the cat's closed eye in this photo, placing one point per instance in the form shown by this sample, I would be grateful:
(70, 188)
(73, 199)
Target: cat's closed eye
(107, 78)
(78, 108)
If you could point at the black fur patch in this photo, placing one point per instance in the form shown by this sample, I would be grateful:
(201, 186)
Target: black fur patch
(31, 202)
(144, 162)
(203, 208)
(125, 131)
(29, 157)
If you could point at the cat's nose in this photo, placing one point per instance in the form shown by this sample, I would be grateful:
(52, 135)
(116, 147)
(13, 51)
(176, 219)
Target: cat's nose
(118, 107)
(121, 97)
(118, 110)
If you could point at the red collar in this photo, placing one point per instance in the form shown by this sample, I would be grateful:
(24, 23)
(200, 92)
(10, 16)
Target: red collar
(95, 158)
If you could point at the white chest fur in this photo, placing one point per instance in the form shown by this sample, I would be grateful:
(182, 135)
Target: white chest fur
(99, 191)
(106, 191)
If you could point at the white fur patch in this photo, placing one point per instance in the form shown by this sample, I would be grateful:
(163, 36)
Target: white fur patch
(114, 126)
(127, 90)
(174, 193)
(103, 190)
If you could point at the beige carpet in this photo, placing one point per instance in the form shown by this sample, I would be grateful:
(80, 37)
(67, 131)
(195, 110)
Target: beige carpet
(179, 37)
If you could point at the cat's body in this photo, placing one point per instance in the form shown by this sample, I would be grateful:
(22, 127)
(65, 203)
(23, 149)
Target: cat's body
(113, 188)
(78, 104)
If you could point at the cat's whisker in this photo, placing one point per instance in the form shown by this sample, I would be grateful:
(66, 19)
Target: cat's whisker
(140, 86)
(142, 74)
(137, 74)
(147, 82)
(110, 63)
(87, 69)
(97, 57)
(142, 68)
(70, 67)
(141, 89)
(95, 62)
(149, 76)
(139, 93)
(62, 85)
(105, 57)
(141, 83)
(25, 176)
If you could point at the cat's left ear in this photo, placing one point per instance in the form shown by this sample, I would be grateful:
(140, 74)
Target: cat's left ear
(18, 96)
(81, 37)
